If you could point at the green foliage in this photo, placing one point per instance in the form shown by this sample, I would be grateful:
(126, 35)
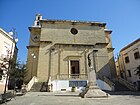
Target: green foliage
(17, 70)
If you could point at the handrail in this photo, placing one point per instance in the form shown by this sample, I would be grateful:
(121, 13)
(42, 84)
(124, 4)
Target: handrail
(127, 84)
(30, 84)
(110, 83)
(107, 80)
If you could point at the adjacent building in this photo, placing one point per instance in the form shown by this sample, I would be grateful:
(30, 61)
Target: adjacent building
(58, 52)
(8, 50)
(128, 62)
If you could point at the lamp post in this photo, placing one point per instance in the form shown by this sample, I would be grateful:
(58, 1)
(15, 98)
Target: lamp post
(33, 57)
(7, 75)
(9, 55)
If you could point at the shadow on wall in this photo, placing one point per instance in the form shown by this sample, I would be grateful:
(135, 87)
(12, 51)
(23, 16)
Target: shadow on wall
(104, 71)
(112, 68)
(107, 70)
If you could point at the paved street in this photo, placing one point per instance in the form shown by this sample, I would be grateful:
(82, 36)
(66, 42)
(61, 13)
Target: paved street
(42, 98)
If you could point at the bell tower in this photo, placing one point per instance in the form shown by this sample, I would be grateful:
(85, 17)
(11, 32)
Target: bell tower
(37, 20)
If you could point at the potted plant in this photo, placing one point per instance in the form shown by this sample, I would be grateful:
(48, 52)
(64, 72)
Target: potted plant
(73, 89)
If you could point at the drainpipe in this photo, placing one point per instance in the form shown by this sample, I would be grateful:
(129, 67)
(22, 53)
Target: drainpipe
(85, 62)
(59, 62)
(49, 71)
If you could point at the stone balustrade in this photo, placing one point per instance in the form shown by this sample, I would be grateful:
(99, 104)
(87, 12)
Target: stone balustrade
(110, 83)
(70, 76)
(30, 84)
(128, 84)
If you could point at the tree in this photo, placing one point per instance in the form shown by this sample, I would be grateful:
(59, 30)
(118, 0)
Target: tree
(13, 70)
(16, 73)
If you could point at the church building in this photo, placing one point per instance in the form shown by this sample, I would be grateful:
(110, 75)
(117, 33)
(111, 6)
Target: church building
(58, 53)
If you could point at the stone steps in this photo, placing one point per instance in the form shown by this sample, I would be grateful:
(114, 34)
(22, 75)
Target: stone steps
(120, 87)
(39, 87)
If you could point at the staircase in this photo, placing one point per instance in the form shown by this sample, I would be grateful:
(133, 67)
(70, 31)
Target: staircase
(120, 87)
(115, 83)
(39, 87)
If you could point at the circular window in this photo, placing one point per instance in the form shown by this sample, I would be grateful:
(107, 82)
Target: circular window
(74, 31)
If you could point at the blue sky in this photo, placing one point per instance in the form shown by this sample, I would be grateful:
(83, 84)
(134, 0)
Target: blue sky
(121, 16)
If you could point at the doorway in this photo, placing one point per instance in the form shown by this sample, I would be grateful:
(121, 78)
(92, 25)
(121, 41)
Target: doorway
(75, 69)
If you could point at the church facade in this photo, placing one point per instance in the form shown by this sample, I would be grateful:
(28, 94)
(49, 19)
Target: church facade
(58, 52)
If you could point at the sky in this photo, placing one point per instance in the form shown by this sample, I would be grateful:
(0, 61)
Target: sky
(121, 16)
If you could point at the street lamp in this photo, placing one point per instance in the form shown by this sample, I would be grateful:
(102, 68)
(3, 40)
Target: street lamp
(33, 57)
(8, 60)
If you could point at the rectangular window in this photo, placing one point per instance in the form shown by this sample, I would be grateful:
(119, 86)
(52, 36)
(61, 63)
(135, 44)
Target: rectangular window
(4, 52)
(77, 83)
(75, 69)
(136, 55)
(129, 73)
(126, 59)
